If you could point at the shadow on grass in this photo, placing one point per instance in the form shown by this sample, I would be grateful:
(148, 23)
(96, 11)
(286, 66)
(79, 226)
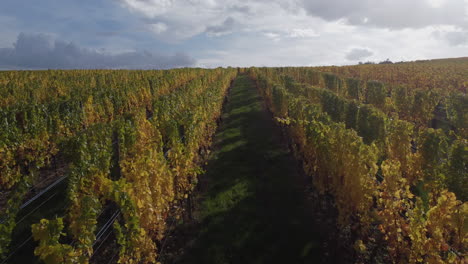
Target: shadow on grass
(251, 207)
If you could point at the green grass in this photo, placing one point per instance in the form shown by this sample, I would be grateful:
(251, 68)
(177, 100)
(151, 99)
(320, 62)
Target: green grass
(252, 207)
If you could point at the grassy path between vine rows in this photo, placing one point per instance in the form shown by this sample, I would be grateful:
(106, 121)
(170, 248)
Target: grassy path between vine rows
(251, 207)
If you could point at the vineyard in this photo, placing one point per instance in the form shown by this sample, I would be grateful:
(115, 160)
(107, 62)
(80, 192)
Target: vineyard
(97, 165)
(128, 143)
(393, 156)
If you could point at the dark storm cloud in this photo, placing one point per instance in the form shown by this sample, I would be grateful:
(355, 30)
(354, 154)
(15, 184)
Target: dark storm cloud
(358, 54)
(390, 14)
(38, 51)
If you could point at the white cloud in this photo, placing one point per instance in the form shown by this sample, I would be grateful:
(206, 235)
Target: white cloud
(303, 33)
(272, 36)
(186, 18)
(158, 28)
(150, 8)
(457, 38)
(293, 18)
(331, 48)
(436, 3)
(452, 35)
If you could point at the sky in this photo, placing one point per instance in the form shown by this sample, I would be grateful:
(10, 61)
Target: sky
(157, 34)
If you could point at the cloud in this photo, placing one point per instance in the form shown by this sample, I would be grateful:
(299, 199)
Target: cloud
(242, 32)
(225, 28)
(453, 36)
(331, 48)
(293, 18)
(273, 36)
(39, 51)
(358, 54)
(150, 8)
(188, 18)
(457, 38)
(243, 9)
(391, 13)
(158, 27)
(303, 33)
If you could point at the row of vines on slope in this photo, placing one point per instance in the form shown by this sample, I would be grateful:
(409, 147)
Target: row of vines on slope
(447, 75)
(388, 177)
(432, 107)
(132, 138)
(53, 106)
